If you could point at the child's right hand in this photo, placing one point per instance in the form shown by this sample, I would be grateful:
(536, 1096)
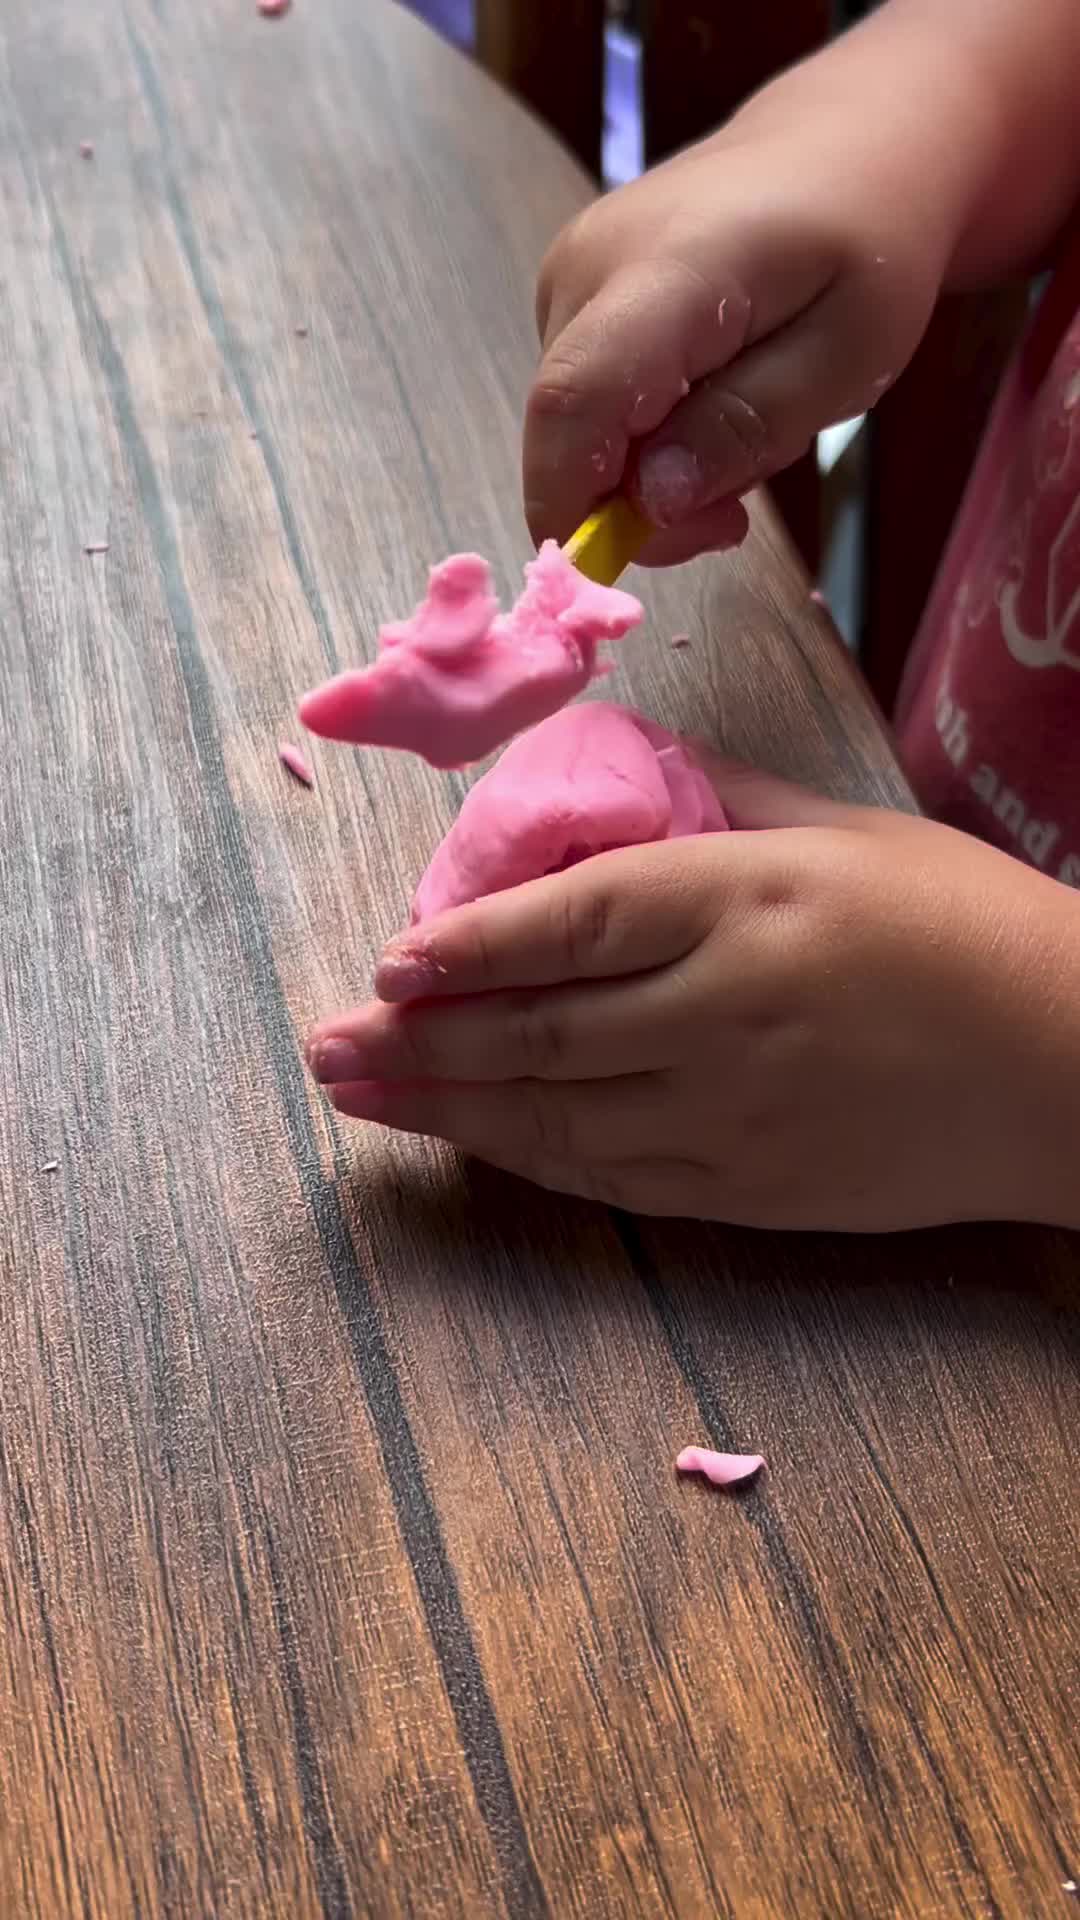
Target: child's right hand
(700, 326)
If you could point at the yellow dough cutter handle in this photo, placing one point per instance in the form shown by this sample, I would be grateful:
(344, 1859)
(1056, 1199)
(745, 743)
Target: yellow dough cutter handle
(608, 541)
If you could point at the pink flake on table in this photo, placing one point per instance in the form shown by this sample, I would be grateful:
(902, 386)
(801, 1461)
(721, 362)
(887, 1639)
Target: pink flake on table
(586, 780)
(680, 639)
(723, 1469)
(273, 8)
(96, 546)
(86, 149)
(458, 678)
(292, 758)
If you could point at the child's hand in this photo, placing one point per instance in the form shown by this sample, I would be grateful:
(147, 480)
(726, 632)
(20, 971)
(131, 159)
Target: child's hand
(700, 326)
(715, 315)
(846, 1019)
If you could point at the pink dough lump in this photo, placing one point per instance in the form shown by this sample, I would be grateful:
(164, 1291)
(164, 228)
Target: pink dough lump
(586, 780)
(723, 1469)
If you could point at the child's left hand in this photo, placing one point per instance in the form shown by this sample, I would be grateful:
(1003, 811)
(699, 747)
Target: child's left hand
(843, 1019)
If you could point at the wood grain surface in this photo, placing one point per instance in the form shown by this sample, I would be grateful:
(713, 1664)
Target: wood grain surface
(343, 1570)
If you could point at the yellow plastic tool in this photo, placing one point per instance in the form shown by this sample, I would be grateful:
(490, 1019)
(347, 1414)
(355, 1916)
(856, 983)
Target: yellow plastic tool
(608, 541)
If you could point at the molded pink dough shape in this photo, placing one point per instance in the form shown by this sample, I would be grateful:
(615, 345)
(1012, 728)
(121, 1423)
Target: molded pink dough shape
(589, 779)
(723, 1469)
(458, 678)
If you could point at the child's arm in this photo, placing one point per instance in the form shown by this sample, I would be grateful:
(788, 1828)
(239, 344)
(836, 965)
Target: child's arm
(712, 317)
(976, 102)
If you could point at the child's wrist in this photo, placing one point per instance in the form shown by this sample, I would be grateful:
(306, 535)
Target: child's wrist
(898, 113)
(1034, 1088)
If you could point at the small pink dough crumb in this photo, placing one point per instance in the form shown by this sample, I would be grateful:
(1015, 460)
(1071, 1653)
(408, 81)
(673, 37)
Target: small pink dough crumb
(680, 639)
(86, 149)
(292, 758)
(458, 678)
(273, 7)
(96, 546)
(723, 1469)
(588, 779)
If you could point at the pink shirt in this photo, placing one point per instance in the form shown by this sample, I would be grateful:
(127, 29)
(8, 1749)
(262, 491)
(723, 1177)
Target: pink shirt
(989, 711)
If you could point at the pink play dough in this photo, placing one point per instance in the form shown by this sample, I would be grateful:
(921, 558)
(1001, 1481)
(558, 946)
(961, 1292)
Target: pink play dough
(723, 1469)
(588, 779)
(458, 678)
(292, 758)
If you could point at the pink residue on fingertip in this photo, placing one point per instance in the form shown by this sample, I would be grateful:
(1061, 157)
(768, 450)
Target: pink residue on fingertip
(671, 484)
(723, 1469)
(292, 758)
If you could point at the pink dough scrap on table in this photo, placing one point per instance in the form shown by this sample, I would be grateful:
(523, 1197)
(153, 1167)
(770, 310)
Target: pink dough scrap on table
(723, 1469)
(586, 780)
(292, 758)
(458, 678)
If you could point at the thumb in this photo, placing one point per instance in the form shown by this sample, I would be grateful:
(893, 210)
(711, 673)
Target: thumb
(621, 913)
(746, 422)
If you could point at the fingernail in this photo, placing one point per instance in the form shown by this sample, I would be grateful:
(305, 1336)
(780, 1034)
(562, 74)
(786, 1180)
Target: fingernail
(336, 1060)
(670, 484)
(405, 974)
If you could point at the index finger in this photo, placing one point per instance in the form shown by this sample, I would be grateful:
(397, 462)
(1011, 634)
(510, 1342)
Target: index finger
(613, 915)
(612, 374)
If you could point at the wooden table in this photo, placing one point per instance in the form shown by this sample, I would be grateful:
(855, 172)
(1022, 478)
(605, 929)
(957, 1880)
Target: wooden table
(343, 1569)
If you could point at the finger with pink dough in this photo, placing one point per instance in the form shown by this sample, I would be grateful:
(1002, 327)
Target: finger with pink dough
(602, 919)
(612, 372)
